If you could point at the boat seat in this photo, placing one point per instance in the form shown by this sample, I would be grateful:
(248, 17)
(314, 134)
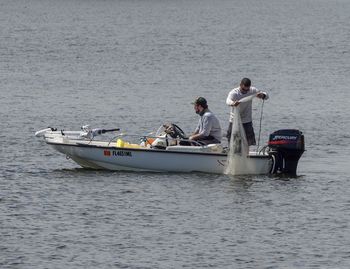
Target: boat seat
(211, 148)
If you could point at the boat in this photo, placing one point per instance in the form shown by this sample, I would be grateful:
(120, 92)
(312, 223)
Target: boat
(169, 151)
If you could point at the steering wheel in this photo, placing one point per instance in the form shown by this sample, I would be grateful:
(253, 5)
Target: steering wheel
(178, 131)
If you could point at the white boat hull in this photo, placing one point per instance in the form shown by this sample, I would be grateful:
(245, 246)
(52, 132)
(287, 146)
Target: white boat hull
(125, 159)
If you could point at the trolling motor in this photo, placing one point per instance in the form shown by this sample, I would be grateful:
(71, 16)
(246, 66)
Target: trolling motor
(86, 132)
(286, 147)
(91, 133)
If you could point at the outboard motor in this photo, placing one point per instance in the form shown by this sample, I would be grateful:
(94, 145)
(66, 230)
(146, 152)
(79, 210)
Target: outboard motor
(286, 147)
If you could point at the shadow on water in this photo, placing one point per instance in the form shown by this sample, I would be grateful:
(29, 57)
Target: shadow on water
(285, 177)
(245, 182)
(247, 179)
(90, 171)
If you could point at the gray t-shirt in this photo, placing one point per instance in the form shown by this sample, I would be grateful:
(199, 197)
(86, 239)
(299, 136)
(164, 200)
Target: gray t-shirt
(245, 108)
(209, 124)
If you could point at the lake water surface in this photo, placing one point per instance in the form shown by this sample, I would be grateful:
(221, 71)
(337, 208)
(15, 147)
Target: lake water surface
(137, 64)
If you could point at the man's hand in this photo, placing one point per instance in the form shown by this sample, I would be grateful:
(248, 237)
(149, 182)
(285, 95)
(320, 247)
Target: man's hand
(191, 137)
(261, 95)
(236, 103)
(194, 137)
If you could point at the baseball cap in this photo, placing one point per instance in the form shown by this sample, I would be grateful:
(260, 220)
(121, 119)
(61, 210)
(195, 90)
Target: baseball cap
(200, 101)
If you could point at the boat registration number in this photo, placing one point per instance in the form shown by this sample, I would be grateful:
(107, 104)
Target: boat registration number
(117, 153)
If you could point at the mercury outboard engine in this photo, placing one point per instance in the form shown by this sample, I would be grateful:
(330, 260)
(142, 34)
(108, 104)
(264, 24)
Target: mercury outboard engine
(286, 147)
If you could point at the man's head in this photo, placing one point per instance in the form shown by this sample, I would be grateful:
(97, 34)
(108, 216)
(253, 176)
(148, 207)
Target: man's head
(245, 85)
(200, 104)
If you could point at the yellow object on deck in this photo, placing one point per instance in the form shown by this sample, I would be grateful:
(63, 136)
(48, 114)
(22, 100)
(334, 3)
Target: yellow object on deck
(124, 144)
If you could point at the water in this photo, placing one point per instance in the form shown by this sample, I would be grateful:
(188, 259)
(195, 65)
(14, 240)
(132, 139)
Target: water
(138, 64)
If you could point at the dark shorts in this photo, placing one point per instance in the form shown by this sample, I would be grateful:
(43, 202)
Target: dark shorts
(203, 141)
(249, 132)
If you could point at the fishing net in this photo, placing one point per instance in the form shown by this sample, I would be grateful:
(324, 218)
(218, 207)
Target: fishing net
(237, 158)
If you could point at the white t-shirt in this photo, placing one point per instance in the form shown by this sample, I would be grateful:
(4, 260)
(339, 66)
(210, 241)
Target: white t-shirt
(245, 108)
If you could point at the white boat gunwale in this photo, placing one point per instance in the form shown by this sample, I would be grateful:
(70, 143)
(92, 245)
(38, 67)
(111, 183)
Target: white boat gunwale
(150, 150)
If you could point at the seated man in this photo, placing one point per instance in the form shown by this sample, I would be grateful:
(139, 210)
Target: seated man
(208, 130)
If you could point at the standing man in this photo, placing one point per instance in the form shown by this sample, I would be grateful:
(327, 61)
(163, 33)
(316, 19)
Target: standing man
(208, 130)
(245, 89)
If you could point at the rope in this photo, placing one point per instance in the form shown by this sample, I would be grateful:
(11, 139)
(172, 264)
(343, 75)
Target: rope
(261, 114)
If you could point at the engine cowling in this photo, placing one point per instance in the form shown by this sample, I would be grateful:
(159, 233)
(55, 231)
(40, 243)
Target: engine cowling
(286, 147)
